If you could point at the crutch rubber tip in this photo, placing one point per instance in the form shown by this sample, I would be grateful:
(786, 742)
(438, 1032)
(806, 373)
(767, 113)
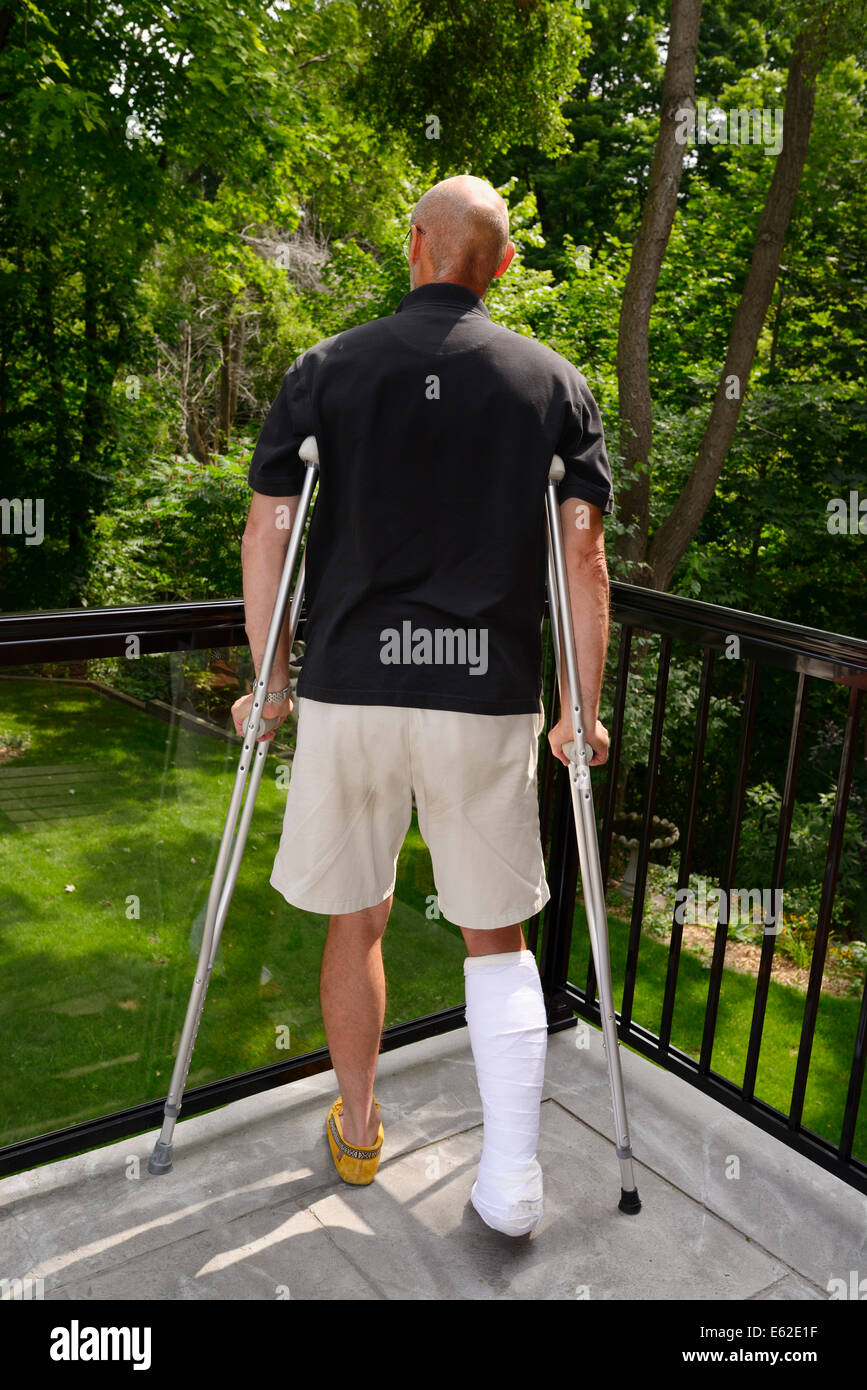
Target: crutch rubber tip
(629, 1201)
(160, 1160)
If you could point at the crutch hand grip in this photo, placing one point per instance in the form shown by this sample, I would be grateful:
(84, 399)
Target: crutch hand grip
(572, 752)
(265, 725)
(557, 471)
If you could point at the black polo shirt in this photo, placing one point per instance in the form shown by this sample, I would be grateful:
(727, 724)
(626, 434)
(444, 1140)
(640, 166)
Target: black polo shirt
(426, 557)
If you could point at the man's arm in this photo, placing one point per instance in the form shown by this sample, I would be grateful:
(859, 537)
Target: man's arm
(263, 554)
(587, 575)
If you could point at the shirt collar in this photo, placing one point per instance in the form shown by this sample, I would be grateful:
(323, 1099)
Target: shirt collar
(443, 292)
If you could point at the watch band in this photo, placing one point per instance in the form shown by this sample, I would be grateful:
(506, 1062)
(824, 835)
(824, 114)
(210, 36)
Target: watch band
(275, 697)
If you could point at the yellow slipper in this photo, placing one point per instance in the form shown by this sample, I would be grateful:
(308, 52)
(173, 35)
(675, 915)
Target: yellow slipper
(354, 1165)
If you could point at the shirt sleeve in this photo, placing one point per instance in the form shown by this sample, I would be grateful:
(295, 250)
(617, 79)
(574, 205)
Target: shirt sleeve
(276, 469)
(582, 449)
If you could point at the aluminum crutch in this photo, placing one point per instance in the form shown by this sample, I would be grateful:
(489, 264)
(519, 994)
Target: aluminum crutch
(226, 869)
(585, 828)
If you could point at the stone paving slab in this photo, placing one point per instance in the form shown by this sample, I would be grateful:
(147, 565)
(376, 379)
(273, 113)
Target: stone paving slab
(274, 1253)
(254, 1210)
(812, 1221)
(413, 1233)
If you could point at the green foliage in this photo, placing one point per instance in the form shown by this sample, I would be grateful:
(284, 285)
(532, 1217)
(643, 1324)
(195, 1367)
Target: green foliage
(172, 532)
(459, 83)
(149, 677)
(189, 198)
(794, 940)
(680, 704)
(138, 240)
(17, 740)
(131, 135)
(594, 186)
(807, 854)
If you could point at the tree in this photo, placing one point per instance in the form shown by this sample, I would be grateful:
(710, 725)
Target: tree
(648, 251)
(655, 559)
(459, 80)
(114, 122)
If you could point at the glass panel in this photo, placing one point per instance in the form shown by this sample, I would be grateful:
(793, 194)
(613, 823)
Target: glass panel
(115, 778)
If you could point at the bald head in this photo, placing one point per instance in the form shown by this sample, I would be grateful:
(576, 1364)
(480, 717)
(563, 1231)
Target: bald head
(465, 226)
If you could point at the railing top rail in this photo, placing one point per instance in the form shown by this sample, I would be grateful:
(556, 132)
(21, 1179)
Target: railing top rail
(65, 634)
(828, 655)
(135, 617)
(59, 633)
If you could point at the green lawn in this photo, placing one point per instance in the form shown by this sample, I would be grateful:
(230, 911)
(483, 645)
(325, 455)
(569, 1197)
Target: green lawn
(92, 1000)
(833, 1042)
(93, 996)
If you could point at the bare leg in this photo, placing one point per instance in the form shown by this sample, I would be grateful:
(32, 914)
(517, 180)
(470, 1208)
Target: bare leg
(352, 992)
(489, 943)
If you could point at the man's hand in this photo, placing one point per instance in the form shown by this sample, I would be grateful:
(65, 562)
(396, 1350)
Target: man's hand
(587, 577)
(596, 740)
(241, 708)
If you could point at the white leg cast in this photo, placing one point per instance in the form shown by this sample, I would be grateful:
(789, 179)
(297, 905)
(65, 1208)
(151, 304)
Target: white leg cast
(508, 1031)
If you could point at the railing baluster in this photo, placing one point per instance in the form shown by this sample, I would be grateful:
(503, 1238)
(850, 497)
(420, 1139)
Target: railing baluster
(701, 719)
(823, 925)
(856, 1081)
(549, 767)
(784, 828)
(615, 749)
(719, 946)
(646, 833)
(559, 911)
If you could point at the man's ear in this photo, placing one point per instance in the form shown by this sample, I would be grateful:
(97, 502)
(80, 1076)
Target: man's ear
(506, 261)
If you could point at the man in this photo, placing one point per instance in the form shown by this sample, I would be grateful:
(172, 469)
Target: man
(422, 668)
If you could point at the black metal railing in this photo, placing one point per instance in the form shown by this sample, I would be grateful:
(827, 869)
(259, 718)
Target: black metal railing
(811, 655)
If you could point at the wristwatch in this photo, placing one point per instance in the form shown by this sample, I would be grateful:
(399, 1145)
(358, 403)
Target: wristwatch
(274, 697)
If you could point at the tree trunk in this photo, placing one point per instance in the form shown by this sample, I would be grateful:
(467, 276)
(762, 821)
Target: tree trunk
(91, 403)
(196, 436)
(231, 352)
(235, 359)
(192, 422)
(221, 428)
(184, 382)
(674, 535)
(57, 463)
(60, 421)
(648, 253)
(92, 415)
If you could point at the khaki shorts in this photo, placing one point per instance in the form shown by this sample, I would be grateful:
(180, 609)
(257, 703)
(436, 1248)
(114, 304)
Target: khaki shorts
(349, 807)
